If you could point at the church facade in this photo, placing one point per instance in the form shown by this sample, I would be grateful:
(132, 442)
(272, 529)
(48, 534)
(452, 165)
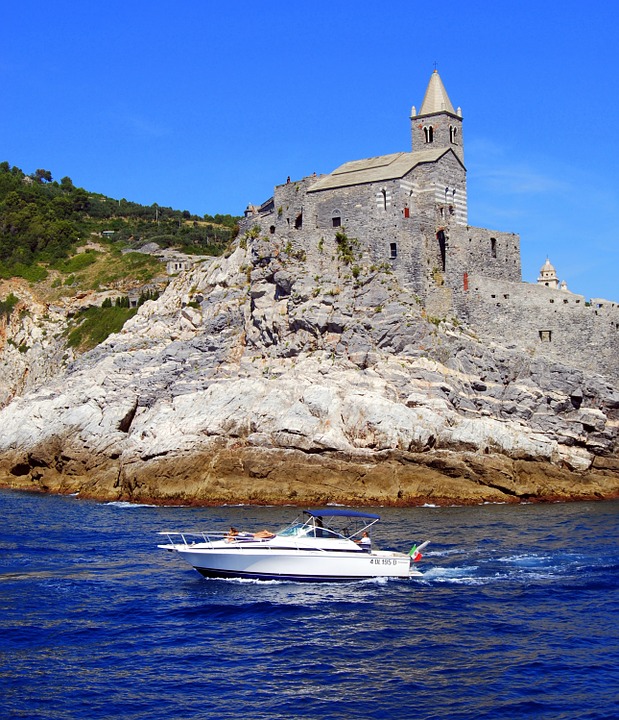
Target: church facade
(408, 209)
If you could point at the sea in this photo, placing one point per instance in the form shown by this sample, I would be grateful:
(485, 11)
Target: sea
(516, 616)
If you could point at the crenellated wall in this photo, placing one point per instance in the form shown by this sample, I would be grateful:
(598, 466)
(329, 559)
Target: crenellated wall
(545, 322)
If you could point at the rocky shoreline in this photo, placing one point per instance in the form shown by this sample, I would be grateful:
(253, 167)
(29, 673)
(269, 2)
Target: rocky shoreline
(290, 477)
(250, 380)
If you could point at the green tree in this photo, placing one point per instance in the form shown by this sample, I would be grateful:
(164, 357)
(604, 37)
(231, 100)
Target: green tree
(41, 175)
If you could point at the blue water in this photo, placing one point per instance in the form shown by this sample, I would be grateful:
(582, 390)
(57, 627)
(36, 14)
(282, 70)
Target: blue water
(516, 617)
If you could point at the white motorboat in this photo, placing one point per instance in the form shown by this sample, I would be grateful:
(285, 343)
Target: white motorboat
(330, 545)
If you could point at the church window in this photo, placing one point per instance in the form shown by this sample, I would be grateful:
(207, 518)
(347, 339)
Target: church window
(336, 218)
(384, 192)
(453, 135)
(393, 248)
(428, 132)
(298, 223)
(493, 247)
(442, 244)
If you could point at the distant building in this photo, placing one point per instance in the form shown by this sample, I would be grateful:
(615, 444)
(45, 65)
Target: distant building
(177, 265)
(548, 276)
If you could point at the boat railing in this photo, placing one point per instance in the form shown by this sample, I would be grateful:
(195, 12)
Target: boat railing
(207, 538)
(193, 538)
(242, 541)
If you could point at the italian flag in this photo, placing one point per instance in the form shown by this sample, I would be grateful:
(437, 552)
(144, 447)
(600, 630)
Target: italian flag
(415, 554)
(415, 551)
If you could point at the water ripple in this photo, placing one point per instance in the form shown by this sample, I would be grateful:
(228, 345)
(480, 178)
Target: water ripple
(511, 619)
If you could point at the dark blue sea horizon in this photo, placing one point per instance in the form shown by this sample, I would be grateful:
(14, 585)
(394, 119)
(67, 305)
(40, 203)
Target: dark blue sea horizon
(515, 617)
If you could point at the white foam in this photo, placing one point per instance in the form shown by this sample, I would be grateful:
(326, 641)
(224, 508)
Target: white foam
(123, 504)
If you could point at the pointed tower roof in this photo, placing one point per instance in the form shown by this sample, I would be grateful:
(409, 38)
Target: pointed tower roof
(436, 99)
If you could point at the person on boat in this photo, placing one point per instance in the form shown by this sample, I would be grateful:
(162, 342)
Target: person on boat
(232, 534)
(365, 542)
(264, 535)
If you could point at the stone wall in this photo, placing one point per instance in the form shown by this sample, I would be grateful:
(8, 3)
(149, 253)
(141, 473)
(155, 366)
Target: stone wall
(544, 322)
(488, 252)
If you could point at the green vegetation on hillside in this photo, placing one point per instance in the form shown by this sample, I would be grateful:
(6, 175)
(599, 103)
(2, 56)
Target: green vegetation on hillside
(42, 221)
(7, 305)
(95, 324)
(92, 325)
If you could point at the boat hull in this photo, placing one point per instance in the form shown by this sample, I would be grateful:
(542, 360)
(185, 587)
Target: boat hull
(307, 566)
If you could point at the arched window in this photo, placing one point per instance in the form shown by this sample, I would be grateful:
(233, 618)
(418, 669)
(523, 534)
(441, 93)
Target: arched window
(453, 135)
(336, 218)
(428, 132)
(384, 192)
(298, 223)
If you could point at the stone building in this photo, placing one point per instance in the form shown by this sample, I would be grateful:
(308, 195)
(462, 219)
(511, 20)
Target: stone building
(548, 277)
(408, 212)
(408, 209)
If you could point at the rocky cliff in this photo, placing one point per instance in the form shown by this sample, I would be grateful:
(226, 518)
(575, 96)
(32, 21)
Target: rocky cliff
(295, 374)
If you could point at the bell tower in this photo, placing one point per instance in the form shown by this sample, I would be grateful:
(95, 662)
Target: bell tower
(437, 125)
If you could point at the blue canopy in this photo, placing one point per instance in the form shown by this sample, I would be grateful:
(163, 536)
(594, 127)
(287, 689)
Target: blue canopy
(341, 512)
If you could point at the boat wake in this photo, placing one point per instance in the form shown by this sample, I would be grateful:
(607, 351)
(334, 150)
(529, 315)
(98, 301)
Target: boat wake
(520, 568)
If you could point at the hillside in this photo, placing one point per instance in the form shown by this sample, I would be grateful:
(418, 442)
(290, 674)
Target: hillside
(42, 222)
(75, 265)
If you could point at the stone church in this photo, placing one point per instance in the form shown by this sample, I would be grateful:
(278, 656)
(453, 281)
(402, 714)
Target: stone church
(408, 211)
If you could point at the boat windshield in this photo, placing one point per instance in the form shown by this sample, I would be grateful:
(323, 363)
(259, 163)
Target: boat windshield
(306, 530)
(293, 530)
(334, 523)
(322, 533)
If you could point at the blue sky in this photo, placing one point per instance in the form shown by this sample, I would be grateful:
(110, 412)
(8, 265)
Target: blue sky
(205, 106)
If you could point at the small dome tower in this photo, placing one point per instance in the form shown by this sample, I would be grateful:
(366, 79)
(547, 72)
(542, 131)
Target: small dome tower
(548, 276)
